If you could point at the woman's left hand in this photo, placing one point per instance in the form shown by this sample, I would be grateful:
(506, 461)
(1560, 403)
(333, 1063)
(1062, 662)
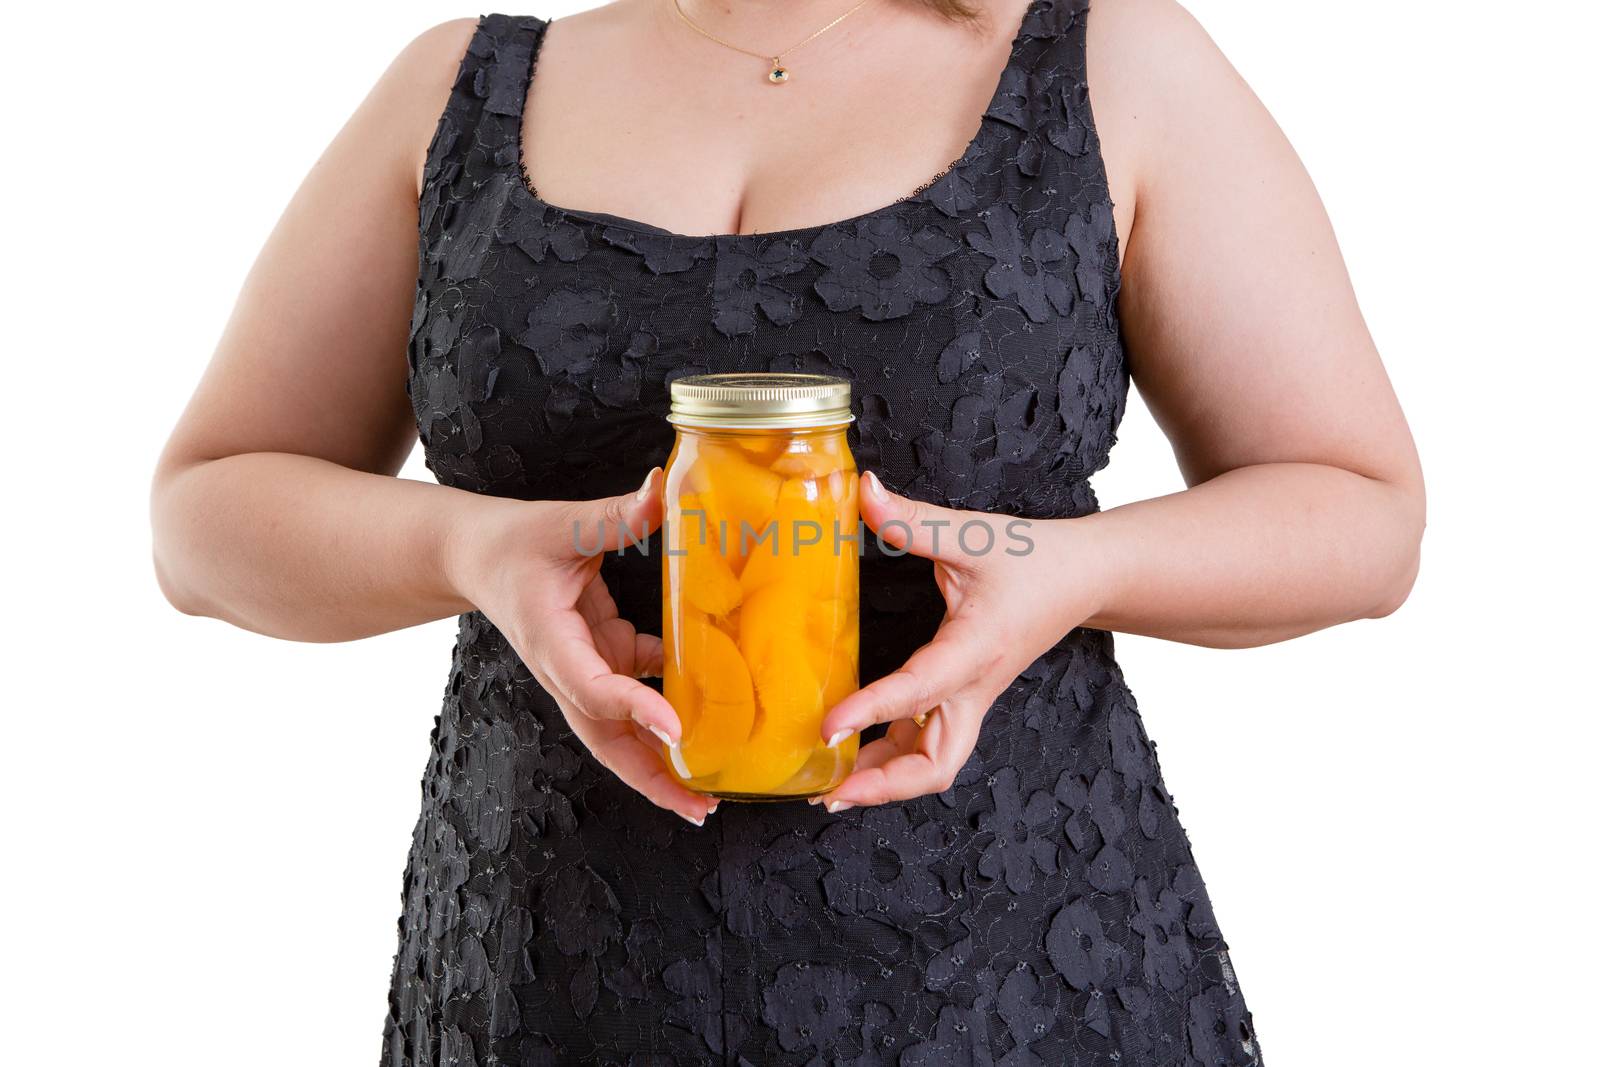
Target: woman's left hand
(1012, 588)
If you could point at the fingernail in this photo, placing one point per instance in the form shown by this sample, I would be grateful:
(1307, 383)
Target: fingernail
(649, 480)
(833, 742)
(712, 808)
(697, 822)
(874, 486)
(813, 800)
(660, 735)
(836, 806)
(675, 754)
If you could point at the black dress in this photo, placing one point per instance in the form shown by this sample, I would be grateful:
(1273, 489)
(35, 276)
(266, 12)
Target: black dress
(1046, 909)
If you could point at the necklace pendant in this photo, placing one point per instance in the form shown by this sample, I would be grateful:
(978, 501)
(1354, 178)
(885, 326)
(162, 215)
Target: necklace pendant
(779, 73)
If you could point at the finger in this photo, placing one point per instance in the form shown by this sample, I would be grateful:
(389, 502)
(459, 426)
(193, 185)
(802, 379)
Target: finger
(641, 769)
(957, 657)
(581, 677)
(595, 603)
(613, 639)
(900, 738)
(648, 656)
(958, 538)
(629, 652)
(929, 766)
(591, 527)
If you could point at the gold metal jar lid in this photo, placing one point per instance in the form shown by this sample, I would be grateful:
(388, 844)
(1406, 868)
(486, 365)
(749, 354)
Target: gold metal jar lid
(737, 401)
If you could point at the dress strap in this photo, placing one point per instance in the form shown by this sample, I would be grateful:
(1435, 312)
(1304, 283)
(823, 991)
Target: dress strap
(482, 121)
(1043, 93)
(1044, 141)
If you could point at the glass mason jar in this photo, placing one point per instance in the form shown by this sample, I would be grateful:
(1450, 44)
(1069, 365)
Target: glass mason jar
(760, 582)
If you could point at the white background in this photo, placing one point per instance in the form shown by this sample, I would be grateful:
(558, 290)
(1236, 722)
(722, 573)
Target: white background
(205, 829)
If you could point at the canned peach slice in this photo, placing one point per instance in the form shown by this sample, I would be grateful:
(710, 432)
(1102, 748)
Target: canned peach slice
(832, 639)
(788, 723)
(800, 547)
(841, 677)
(829, 621)
(726, 712)
(765, 620)
(743, 490)
(762, 449)
(676, 685)
(824, 769)
(813, 456)
(709, 583)
(839, 489)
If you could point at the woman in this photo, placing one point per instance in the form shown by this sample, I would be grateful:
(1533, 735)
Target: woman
(1004, 876)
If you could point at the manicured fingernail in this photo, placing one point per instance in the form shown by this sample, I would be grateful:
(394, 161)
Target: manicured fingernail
(675, 754)
(661, 735)
(697, 822)
(813, 800)
(836, 806)
(872, 484)
(711, 809)
(649, 480)
(833, 742)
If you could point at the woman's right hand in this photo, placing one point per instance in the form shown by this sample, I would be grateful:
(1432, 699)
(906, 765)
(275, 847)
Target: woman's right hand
(533, 568)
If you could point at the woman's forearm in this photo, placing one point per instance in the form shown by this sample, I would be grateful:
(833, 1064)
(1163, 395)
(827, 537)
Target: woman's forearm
(1255, 555)
(303, 549)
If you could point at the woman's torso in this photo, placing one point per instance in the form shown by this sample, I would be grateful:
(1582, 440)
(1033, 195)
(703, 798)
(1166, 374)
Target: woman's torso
(976, 319)
(1047, 903)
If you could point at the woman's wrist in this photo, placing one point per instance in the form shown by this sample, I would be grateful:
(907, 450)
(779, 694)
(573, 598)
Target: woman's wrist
(1086, 569)
(465, 553)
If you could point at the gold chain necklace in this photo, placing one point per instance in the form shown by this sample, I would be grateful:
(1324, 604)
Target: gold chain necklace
(779, 74)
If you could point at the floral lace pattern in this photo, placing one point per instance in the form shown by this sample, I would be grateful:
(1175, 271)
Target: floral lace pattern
(1046, 908)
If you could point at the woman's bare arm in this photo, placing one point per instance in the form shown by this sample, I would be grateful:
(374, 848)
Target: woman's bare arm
(1305, 506)
(1243, 335)
(274, 505)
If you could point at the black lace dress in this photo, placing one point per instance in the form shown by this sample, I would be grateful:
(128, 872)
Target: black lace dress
(1046, 909)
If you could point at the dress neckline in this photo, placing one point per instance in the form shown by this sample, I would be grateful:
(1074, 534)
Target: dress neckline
(973, 151)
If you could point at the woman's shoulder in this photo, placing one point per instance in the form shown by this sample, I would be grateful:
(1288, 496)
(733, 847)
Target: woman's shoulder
(416, 88)
(1148, 37)
(1154, 56)
(426, 68)
(444, 41)
(442, 46)
(1155, 77)
(446, 44)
